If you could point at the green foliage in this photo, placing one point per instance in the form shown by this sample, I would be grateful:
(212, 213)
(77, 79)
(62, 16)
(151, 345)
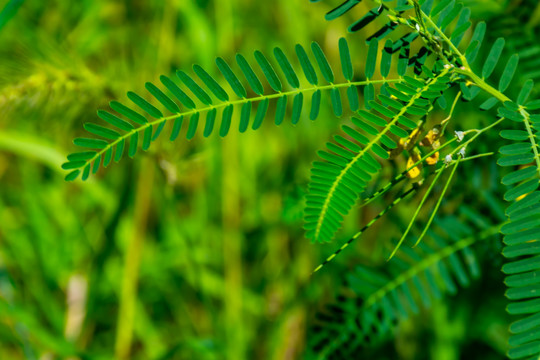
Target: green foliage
(379, 298)
(337, 183)
(183, 253)
(133, 125)
(523, 228)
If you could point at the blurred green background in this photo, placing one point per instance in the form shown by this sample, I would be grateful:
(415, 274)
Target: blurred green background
(193, 250)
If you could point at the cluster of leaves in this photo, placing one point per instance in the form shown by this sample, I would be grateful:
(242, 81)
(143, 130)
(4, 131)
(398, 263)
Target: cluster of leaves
(522, 231)
(377, 299)
(129, 125)
(391, 117)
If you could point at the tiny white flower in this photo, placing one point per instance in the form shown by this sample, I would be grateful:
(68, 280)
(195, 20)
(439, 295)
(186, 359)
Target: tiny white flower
(463, 68)
(462, 151)
(448, 159)
(459, 135)
(417, 27)
(447, 66)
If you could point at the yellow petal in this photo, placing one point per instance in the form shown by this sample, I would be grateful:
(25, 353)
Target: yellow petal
(415, 171)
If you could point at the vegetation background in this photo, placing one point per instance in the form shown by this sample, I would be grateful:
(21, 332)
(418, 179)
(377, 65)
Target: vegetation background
(195, 250)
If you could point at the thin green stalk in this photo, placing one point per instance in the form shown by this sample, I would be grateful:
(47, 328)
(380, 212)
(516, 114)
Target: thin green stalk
(477, 156)
(477, 134)
(367, 226)
(438, 202)
(482, 84)
(532, 136)
(232, 250)
(402, 176)
(235, 331)
(446, 121)
(415, 215)
(132, 259)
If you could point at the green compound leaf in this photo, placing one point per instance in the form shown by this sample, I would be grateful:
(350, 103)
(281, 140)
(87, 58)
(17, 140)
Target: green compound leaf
(337, 183)
(212, 105)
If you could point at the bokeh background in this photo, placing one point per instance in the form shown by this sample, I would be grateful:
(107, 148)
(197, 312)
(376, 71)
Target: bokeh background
(194, 250)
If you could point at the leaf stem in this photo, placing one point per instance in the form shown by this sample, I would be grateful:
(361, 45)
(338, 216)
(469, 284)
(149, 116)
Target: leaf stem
(482, 84)
(418, 208)
(439, 201)
(531, 135)
(132, 258)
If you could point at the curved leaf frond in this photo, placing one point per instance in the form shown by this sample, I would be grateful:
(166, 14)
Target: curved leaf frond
(351, 162)
(208, 103)
(522, 231)
(387, 295)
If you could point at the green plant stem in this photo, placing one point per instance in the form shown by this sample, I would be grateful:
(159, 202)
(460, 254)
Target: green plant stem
(402, 176)
(476, 156)
(232, 250)
(526, 119)
(476, 80)
(477, 134)
(447, 119)
(418, 208)
(128, 294)
(439, 201)
(444, 37)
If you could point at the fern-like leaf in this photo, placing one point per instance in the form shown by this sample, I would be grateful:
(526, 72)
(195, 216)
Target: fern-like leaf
(350, 164)
(384, 296)
(209, 104)
(522, 231)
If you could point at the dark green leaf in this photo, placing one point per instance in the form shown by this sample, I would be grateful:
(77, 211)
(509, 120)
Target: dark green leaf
(286, 67)
(212, 84)
(133, 142)
(231, 78)
(345, 57)
(226, 121)
(297, 108)
(194, 87)
(508, 72)
(210, 120)
(162, 98)
(144, 105)
(114, 120)
(309, 71)
(493, 58)
(371, 59)
(261, 113)
(324, 66)
(177, 92)
(192, 128)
